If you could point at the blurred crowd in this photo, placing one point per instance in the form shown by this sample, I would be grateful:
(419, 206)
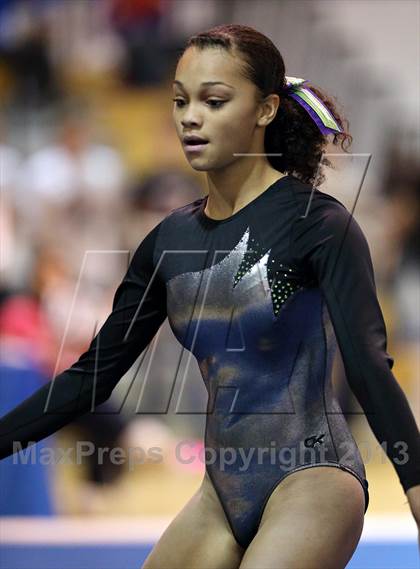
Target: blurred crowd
(74, 208)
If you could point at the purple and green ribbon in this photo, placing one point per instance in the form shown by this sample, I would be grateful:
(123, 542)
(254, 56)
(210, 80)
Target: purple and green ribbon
(320, 114)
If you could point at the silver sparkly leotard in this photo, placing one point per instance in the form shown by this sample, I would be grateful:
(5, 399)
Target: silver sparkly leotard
(261, 299)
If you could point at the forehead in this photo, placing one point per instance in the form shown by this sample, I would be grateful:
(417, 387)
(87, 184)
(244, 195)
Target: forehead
(211, 64)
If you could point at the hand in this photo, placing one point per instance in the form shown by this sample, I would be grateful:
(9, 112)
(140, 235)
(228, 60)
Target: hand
(413, 495)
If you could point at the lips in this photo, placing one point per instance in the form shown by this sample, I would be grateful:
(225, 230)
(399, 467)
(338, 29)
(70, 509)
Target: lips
(194, 144)
(191, 140)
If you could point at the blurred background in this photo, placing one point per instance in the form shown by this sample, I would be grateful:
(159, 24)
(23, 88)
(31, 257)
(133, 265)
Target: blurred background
(90, 163)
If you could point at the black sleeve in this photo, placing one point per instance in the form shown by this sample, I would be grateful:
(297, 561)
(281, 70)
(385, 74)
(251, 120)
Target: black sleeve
(138, 310)
(331, 245)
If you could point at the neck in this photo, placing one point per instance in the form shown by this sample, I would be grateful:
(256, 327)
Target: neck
(232, 188)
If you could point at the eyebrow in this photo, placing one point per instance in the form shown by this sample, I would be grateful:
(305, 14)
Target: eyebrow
(207, 83)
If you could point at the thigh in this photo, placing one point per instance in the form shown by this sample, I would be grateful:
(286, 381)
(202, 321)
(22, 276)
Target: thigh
(314, 518)
(199, 537)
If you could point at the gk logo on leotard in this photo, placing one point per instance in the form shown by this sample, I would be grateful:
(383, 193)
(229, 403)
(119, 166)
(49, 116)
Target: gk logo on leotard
(314, 440)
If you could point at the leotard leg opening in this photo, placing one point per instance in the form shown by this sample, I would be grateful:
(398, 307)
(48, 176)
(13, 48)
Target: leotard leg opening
(363, 482)
(244, 526)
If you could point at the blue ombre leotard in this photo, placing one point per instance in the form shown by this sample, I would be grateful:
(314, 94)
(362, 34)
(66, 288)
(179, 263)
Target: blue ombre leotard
(261, 299)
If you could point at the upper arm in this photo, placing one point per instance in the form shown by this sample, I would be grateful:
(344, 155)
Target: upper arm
(335, 250)
(138, 310)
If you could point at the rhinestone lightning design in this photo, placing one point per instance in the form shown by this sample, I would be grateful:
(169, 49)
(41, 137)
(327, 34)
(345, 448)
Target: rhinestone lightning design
(282, 282)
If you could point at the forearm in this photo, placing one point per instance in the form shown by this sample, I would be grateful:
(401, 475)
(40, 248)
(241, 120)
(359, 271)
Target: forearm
(39, 415)
(392, 421)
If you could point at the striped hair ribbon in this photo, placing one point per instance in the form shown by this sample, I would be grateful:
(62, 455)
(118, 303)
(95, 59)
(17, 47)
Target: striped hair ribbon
(320, 114)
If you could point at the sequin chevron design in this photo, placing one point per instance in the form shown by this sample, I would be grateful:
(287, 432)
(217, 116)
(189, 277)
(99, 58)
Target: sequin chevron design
(283, 282)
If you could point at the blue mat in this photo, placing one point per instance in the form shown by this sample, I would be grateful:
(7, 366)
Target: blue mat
(370, 555)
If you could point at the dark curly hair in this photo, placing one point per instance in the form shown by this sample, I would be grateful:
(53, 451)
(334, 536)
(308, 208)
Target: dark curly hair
(292, 133)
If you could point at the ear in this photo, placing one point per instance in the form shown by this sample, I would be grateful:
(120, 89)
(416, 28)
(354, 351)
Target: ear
(268, 109)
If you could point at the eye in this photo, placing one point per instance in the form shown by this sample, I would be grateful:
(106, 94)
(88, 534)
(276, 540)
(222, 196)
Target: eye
(215, 103)
(176, 101)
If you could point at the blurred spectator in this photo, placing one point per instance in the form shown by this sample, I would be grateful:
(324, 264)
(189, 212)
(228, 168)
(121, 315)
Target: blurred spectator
(25, 52)
(402, 189)
(12, 250)
(138, 23)
(72, 187)
(72, 317)
(150, 199)
(74, 166)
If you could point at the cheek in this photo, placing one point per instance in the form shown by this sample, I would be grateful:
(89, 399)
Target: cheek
(176, 122)
(235, 131)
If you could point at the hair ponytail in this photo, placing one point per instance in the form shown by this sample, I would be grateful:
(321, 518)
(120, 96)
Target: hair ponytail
(295, 136)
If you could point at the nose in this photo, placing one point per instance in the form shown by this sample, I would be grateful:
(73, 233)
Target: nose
(190, 117)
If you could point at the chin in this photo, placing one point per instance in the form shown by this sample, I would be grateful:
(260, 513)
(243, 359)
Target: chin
(200, 164)
(201, 167)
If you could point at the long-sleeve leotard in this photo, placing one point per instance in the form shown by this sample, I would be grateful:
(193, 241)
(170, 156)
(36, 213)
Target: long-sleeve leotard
(302, 256)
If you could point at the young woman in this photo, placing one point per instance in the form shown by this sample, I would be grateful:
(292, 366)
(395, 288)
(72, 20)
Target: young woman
(258, 279)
